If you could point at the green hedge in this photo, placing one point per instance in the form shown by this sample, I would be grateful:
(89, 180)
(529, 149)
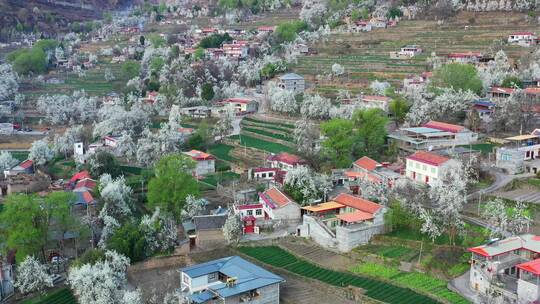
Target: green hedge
(375, 289)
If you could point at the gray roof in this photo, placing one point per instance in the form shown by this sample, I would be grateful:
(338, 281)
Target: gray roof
(204, 222)
(248, 277)
(526, 241)
(291, 76)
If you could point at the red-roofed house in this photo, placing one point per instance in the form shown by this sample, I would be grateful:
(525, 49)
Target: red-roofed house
(236, 49)
(366, 164)
(266, 29)
(26, 167)
(86, 184)
(285, 161)
(465, 57)
(425, 167)
(206, 163)
(264, 174)
(241, 105)
(523, 38)
(278, 206)
(343, 223)
(367, 168)
(511, 265)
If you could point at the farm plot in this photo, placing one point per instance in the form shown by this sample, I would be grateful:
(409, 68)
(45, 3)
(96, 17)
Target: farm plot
(222, 151)
(60, 296)
(261, 144)
(375, 289)
(413, 280)
(389, 251)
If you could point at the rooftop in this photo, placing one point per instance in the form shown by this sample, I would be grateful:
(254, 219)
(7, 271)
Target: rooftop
(443, 126)
(323, 207)
(354, 217)
(275, 198)
(209, 222)
(248, 277)
(428, 158)
(291, 76)
(367, 163)
(199, 155)
(526, 241)
(357, 203)
(287, 158)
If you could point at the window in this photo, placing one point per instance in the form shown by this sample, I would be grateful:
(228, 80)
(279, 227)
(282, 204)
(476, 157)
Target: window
(270, 174)
(505, 156)
(417, 165)
(258, 212)
(250, 212)
(432, 169)
(263, 175)
(212, 277)
(424, 167)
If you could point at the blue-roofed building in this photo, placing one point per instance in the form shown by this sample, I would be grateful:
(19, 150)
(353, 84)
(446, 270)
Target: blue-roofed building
(292, 82)
(229, 280)
(484, 107)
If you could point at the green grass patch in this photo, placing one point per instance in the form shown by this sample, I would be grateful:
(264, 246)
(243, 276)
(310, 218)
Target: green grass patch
(265, 122)
(220, 177)
(222, 151)
(260, 144)
(59, 296)
(375, 289)
(269, 134)
(19, 155)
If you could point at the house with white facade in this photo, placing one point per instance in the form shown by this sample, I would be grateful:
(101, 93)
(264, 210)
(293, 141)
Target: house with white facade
(240, 105)
(205, 163)
(523, 38)
(375, 101)
(406, 52)
(343, 223)
(519, 154)
(229, 280)
(292, 82)
(425, 167)
(285, 161)
(278, 206)
(507, 269)
(361, 26)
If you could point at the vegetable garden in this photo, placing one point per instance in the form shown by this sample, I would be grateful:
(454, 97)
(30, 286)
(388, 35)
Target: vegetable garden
(260, 144)
(60, 296)
(375, 289)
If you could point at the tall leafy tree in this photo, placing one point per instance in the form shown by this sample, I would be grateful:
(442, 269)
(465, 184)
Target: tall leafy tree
(339, 142)
(458, 77)
(172, 184)
(370, 127)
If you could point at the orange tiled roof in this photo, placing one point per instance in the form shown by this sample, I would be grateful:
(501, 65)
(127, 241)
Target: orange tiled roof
(428, 158)
(367, 163)
(357, 203)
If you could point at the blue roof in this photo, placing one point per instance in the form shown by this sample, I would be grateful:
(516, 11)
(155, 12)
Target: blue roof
(486, 102)
(291, 76)
(422, 130)
(248, 277)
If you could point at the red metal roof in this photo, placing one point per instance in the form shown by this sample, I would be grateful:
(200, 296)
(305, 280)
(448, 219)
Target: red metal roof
(237, 100)
(428, 158)
(87, 183)
(287, 158)
(250, 206)
(199, 155)
(275, 198)
(257, 170)
(26, 164)
(465, 55)
(501, 90)
(523, 33)
(357, 203)
(367, 163)
(79, 176)
(443, 126)
(354, 217)
(531, 266)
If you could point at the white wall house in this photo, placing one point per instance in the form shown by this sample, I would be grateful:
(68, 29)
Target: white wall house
(279, 206)
(523, 38)
(425, 167)
(292, 82)
(205, 163)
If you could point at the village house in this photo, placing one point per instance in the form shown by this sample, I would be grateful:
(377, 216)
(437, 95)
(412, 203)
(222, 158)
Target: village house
(285, 161)
(426, 167)
(236, 49)
(485, 108)
(26, 167)
(523, 38)
(266, 29)
(196, 112)
(406, 52)
(249, 213)
(432, 135)
(499, 92)
(416, 82)
(229, 280)
(278, 206)
(292, 82)
(361, 26)
(242, 106)
(519, 154)
(110, 141)
(343, 223)
(378, 22)
(465, 57)
(208, 31)
(507, 268)
(376, 171)
(205, 163)
(375, 101)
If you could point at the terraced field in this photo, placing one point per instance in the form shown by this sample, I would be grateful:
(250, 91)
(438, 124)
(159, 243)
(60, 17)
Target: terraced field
(375, 289)
(365, 56)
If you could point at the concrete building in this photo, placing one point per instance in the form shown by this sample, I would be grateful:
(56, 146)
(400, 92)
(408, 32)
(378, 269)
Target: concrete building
(518, 153)
(229, 280)
(425, 167)
(292, 82)
(508, 270)
(375, 101)
(205, 163)
(206, 231)
(285, 161)
(278, 206)
(343, 223)
(523, 39)
(361, 26)
(432, 135)
(241, 105)
(406, 52)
